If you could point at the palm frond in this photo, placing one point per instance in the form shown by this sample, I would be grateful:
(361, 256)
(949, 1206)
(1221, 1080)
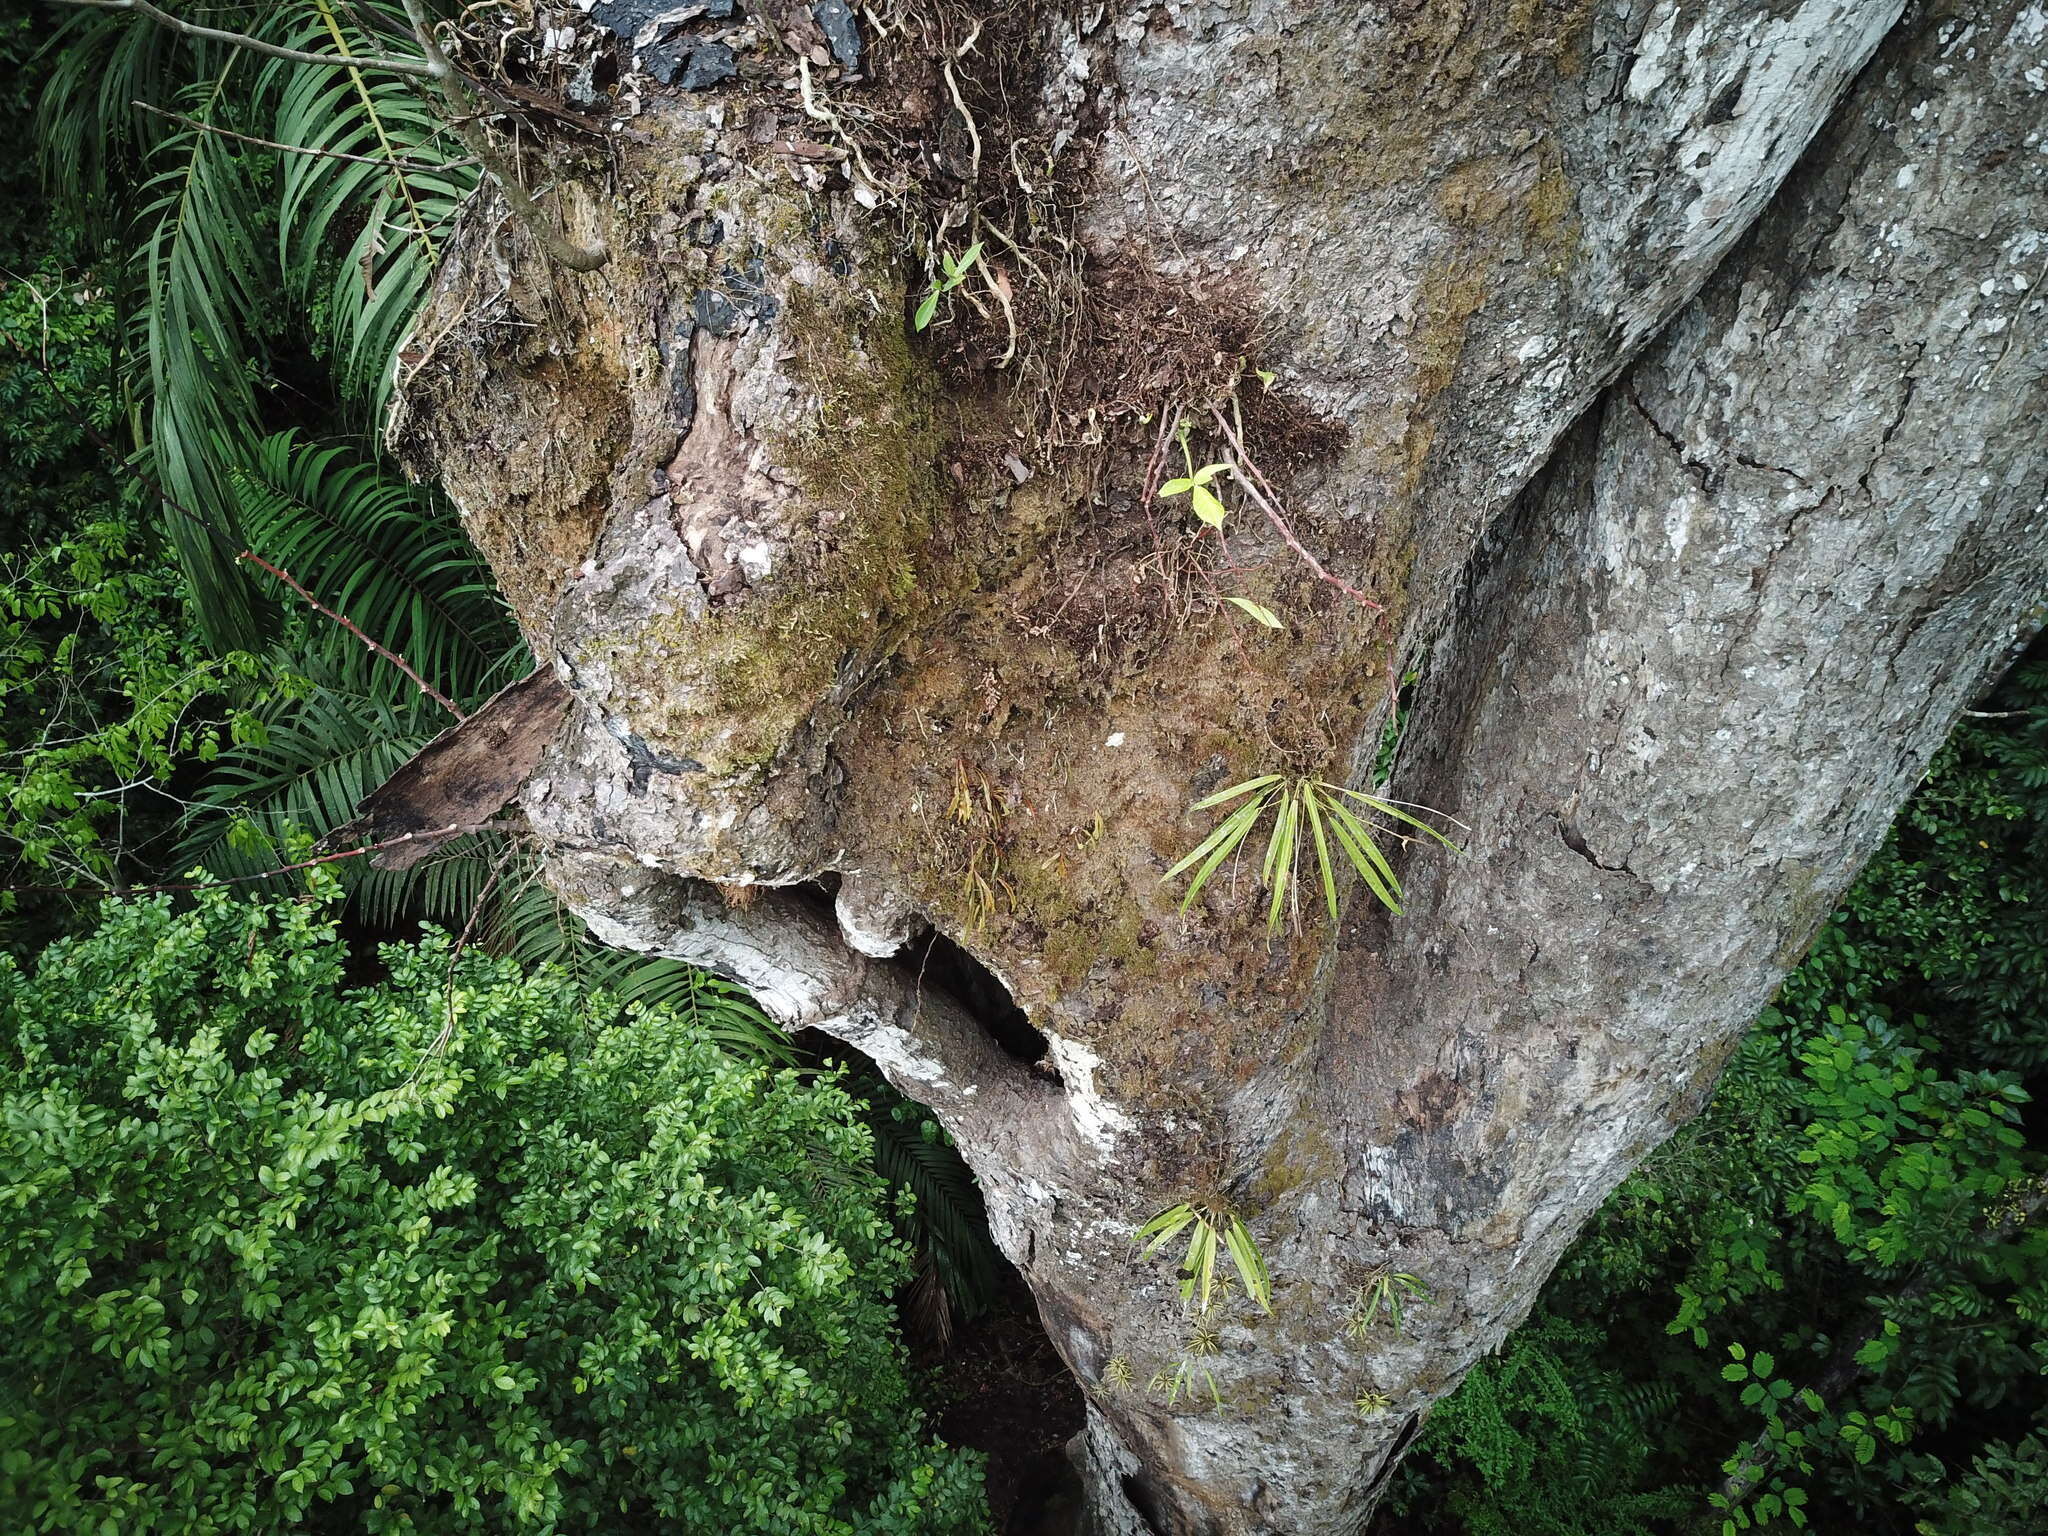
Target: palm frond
(203, 285)
(355, 244)
(368, 293)
(93, 140)
(390, 556)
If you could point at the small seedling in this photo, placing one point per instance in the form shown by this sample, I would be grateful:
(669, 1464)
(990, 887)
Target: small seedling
(1209, 1231)
(1195, 486)
(953, 271)
(1181, 1382)
(1371, 1405)
(1325, 809)
(1116, 1374)
(1385, 1292)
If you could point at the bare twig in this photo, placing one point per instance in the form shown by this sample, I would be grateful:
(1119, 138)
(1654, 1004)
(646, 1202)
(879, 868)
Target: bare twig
(421, 69)
(1263, 496)
(266, 874)
(348, 624)
(300, 149)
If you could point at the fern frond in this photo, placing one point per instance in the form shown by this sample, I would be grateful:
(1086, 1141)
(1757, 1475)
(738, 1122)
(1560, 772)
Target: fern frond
(530, 925)
(948, 1222)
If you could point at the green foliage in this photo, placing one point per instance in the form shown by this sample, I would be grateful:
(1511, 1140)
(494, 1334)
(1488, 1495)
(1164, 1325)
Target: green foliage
(1947, 920)
(1187, 1379)
(224, 241)
(954, 269)
(1300, 804)
(269, 1261)
(2004, 1491)
(104, 691)
(1542, 1440)
(1195, 485)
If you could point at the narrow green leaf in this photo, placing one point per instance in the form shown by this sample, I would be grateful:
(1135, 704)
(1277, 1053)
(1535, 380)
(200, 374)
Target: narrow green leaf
(1259, 611)
(1388, 808)
(1310, 802)
(1231, 792)
(1218, 846)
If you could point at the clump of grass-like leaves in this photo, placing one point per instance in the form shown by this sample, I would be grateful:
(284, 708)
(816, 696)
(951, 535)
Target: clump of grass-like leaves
(1210, 1231)
(1306, 812)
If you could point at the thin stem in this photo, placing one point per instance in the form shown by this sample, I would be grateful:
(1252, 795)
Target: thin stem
(267, 874)
(348, 624)
(298, 149)
(1254, 482)
(422, 69)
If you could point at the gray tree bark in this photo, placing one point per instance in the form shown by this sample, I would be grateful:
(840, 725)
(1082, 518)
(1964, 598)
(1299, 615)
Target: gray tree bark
(1689, 369)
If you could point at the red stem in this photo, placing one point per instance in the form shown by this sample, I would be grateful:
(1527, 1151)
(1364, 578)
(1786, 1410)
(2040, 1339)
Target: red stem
(1254, 482)
(268, 874)
(391, 656)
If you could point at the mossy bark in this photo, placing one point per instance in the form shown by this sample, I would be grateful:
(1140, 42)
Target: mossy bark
(849, 614)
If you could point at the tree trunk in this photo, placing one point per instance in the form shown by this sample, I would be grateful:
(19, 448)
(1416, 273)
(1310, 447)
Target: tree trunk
(1695, 578)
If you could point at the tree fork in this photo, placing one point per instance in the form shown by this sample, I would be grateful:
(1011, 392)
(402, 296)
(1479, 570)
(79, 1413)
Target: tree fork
(822, 633)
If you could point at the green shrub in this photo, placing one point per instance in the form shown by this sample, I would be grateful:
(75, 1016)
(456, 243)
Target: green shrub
(268, 1262)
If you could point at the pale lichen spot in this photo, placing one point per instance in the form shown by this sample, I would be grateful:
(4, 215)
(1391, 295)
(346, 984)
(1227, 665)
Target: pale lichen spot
(1100, 1121)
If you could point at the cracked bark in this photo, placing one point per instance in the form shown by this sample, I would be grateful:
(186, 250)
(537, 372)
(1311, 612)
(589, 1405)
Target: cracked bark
(1686, 641)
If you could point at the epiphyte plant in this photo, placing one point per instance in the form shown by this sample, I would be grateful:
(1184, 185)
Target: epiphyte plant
(1300, 801)
(1210, 1230)
(1383, 1295)
(953, 271)
(1197, 485)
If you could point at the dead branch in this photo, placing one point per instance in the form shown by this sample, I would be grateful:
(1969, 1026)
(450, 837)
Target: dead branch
(348, 624)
